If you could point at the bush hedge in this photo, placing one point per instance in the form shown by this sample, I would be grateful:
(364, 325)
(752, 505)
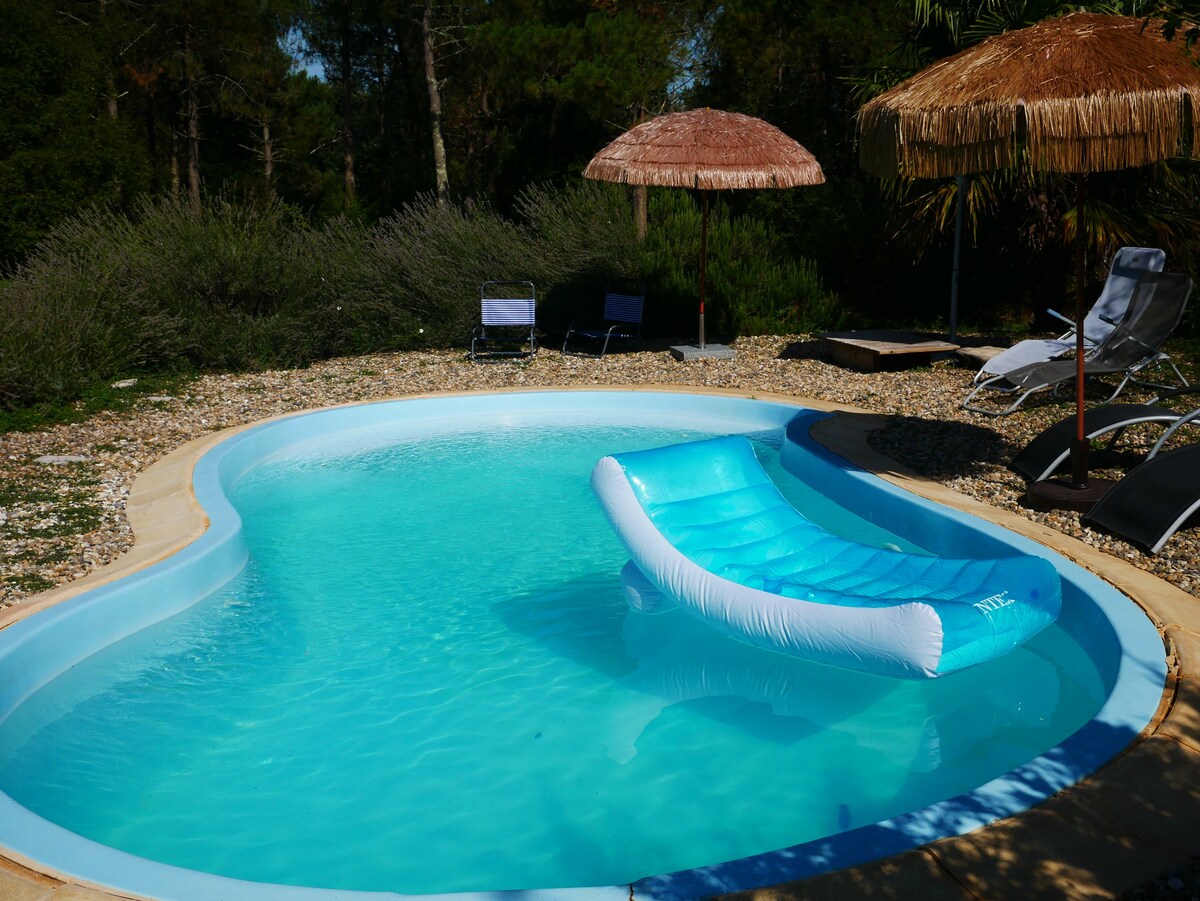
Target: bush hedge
(171, 288)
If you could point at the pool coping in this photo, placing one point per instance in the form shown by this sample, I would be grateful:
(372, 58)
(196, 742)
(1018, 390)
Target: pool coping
(1126, 823)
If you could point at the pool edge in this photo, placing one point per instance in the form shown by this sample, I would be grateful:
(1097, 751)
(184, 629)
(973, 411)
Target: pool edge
(1108, 829)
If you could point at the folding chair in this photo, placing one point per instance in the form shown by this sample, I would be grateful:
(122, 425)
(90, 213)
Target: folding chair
(622, 318)
(506, 330)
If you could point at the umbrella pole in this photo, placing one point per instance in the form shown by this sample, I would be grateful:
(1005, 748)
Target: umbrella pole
(1082, 491)
(1080, 446)
(959, 203)
(703, 257)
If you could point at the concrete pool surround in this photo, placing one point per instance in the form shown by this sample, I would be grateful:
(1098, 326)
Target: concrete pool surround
(1132, 819)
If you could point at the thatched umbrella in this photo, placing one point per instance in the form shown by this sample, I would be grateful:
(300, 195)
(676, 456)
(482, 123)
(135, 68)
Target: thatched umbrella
(706, 150)
(1077, 94)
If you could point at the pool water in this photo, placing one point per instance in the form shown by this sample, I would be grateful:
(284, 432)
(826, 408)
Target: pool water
(427, 680)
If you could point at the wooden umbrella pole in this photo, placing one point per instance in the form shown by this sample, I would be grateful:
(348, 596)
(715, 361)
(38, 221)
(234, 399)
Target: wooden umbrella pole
(703, 257)
(960, 201)
(1080, 446)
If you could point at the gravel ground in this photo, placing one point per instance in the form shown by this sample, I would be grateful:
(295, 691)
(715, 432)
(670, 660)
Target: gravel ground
(60, 521)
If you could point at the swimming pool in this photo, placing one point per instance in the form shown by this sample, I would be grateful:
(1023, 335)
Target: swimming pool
(662, 657)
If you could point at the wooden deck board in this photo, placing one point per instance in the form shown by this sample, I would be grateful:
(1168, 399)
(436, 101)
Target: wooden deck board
(875, 350)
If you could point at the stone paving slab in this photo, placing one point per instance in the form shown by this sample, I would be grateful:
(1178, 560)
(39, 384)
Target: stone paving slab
(1183, 722)
(18, 883)
(1061, 851)
(1150, 792)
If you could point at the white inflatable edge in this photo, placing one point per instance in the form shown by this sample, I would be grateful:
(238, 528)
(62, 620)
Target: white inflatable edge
(904, 640)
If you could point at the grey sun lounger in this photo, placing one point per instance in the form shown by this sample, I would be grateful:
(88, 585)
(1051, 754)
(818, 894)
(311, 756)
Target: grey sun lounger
(1155, 309)
(1153, 501)
(1128, 264)
(1049, 450)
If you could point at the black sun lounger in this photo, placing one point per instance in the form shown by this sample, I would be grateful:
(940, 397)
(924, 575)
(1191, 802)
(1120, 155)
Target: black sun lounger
(1153, 501)
(1042, 456)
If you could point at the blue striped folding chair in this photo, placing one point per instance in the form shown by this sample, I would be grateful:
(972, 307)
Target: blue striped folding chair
(507, 328)
(622, 319)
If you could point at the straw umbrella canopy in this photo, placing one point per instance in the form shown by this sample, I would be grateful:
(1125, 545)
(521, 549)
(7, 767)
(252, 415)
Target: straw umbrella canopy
(706, 150)
(1077, 94)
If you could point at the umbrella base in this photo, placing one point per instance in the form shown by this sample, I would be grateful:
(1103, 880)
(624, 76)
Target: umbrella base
(1061, 494)
(707, 352)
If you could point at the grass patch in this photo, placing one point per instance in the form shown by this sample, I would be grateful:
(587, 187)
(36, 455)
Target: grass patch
(97, 398)
(28, 583)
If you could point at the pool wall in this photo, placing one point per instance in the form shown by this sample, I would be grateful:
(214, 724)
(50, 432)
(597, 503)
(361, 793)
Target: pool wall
(36, 649)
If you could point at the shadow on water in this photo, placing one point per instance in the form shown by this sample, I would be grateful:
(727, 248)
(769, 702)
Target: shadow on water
(672, 658)
(921, 726)
(661, 660)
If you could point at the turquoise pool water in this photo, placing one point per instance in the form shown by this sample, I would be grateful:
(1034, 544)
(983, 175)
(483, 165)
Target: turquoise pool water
(426, 680)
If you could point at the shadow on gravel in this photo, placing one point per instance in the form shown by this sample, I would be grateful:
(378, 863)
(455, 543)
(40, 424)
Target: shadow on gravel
(806, 350)
(941, 449)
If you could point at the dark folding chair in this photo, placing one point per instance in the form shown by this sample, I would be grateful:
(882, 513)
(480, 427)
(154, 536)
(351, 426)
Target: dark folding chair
(624, 301)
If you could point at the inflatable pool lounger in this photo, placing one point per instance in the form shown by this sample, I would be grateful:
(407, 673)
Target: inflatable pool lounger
(706, 527)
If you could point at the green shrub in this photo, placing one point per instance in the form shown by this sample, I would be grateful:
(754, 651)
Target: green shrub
(71, 317)
(168, 288)
(584, 234)
(430, 260)
(750, 288)
(240, 285)
(233, 273)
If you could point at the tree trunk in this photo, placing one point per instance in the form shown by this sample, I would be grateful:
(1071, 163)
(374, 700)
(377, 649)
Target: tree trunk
(193, 143)
(192, 114)
(110, 101)
(639, 210)
(640, 203)
(347, 97)
(152, 140)
(110, 81)
(268, 153)
(174, 164)
(441, 174)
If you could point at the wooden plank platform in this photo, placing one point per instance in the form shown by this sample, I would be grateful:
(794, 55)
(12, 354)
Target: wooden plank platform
(875, 350)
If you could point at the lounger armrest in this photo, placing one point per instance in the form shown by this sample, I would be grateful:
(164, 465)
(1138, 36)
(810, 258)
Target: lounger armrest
(1071, 323)
(1060, 316)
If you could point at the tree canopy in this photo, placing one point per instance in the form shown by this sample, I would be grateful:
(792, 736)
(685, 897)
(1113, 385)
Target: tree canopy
(358, 107)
